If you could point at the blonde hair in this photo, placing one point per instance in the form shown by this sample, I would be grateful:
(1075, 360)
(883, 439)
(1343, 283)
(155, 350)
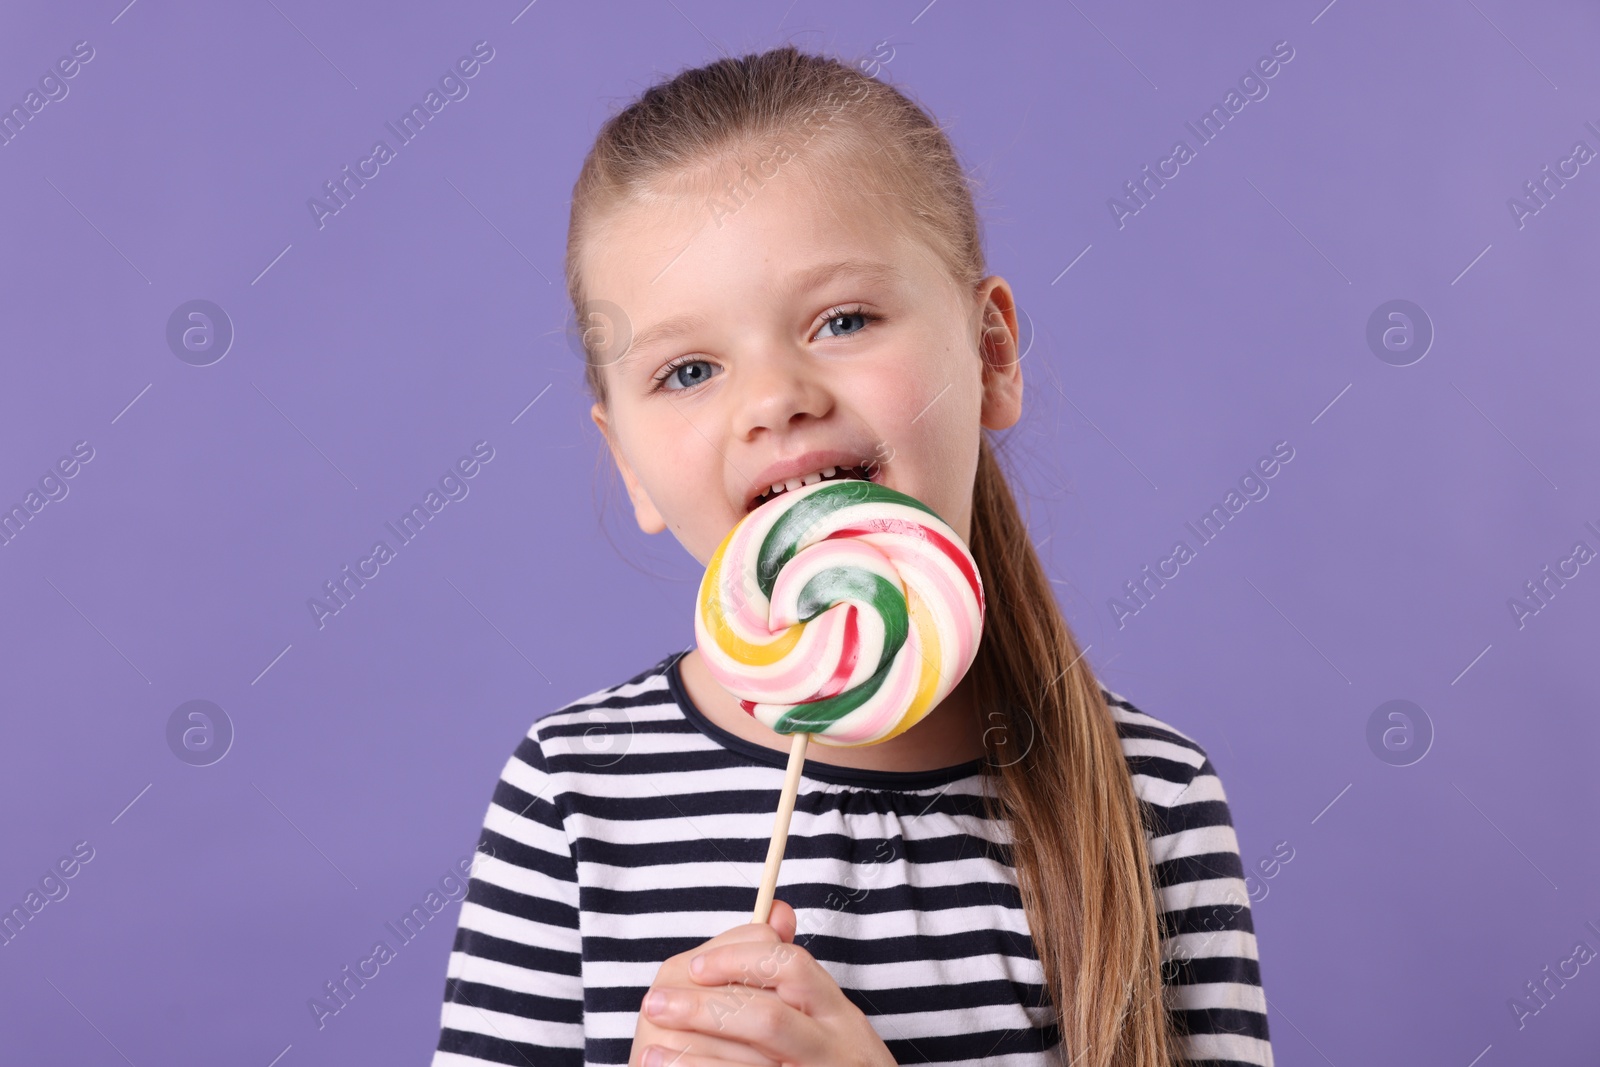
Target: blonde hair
(1078, 829)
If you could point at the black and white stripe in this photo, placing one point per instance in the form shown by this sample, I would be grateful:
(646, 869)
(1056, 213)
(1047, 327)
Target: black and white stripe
(627, 828)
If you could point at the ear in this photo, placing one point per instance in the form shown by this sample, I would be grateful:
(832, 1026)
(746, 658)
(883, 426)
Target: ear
(998, 345)
(644, 511)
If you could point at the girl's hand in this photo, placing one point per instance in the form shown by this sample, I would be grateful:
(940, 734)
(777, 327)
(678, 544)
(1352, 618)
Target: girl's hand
(756, 998)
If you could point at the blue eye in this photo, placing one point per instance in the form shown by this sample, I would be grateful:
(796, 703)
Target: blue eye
(839, 315)
(669, 373)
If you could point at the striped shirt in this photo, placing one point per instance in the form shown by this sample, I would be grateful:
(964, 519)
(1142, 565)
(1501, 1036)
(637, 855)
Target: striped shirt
(627, 828)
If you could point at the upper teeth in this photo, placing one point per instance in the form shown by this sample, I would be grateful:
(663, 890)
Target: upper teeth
(795, 483)
(810, 479)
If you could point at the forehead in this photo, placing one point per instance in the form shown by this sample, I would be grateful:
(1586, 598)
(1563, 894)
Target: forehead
(721, 228)
(721, 241)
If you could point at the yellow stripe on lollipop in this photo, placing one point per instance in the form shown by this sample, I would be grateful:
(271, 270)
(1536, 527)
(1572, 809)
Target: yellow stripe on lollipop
(728, 641)
(922, 621)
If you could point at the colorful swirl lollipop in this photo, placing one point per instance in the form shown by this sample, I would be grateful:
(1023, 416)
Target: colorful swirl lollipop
(844, 609)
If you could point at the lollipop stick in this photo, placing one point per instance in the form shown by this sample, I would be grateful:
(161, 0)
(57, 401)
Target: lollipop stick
(780, 827)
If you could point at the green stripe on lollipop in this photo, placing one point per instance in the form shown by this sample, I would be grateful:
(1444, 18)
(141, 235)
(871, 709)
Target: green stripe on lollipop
(826, 589)
(787, 535)
(820, 714)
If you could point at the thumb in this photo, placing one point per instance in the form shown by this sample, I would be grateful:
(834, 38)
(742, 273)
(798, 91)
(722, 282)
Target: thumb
(782, 919)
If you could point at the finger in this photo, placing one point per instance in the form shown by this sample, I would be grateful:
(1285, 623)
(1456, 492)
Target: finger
(783, 920)
(720, 1049)
(763, 966)
(755, 1016)
(659, 1056)
(734, 935)
(780, 927)
(747, 932)
(705, 1011)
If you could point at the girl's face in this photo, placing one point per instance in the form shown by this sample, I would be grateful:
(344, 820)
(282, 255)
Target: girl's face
(802, 329)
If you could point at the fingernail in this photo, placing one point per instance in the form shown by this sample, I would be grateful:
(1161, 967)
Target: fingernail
(697, 964)
(655, 1003)
(654, 1057)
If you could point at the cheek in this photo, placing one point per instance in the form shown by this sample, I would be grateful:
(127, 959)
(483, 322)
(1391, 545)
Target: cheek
(928, 416)
(931, 423)
(897, 397)
(685, 476)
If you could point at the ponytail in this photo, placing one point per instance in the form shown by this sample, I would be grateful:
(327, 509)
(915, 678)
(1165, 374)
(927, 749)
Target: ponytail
(1061, 782)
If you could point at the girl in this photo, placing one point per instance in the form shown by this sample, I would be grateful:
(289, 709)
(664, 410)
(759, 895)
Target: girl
(778, 264)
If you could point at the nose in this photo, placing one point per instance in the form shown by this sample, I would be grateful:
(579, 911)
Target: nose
(780, 389)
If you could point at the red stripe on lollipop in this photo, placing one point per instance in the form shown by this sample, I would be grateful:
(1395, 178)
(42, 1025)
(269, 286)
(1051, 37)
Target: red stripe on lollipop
(847, 657)
(957, 554)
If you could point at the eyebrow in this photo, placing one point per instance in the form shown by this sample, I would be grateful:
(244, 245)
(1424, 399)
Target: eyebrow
(803, 282)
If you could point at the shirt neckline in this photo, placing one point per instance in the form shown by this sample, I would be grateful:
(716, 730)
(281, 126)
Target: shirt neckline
(816, 769)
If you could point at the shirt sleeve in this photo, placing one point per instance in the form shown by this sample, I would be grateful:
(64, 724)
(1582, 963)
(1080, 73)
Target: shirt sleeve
(514, 988)
(1210, 970)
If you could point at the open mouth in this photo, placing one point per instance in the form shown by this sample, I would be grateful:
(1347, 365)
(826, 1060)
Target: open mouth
(860, 472)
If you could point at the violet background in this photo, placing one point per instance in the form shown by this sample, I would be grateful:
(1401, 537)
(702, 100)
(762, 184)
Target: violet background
(429, 314)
